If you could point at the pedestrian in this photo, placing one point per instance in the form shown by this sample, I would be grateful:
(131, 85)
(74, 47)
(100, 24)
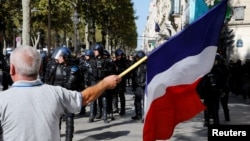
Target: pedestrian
(31, 110)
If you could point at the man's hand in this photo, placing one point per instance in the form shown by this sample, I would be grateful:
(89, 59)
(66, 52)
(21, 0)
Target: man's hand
(93, 92)
(111, 81)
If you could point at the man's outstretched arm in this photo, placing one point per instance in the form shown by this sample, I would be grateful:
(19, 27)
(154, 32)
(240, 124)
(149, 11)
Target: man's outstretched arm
(93, 92)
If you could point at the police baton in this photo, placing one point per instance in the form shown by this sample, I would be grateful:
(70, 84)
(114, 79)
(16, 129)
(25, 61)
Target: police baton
(133, 66)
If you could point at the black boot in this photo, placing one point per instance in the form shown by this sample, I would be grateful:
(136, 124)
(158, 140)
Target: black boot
(109, 102)
(216, 118)
(105, 109)
(92, 112)
(136, 117)
(138, 108)
(122, 102)
(227, 116)
(69, 127)
(115, 104)
(99, 108)
(206, 118)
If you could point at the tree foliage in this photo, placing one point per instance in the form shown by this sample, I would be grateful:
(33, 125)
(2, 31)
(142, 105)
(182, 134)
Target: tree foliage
(111, 17)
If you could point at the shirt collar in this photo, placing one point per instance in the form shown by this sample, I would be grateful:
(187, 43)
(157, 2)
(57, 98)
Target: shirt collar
(23, 83)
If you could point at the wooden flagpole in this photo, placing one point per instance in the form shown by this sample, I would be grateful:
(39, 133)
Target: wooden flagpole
(133, 66)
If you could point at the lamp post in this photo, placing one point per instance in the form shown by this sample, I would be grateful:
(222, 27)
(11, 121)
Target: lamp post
(75, 20)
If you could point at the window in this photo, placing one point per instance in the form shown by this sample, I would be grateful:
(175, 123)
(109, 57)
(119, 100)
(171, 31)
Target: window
(239, 13)
(175, 7)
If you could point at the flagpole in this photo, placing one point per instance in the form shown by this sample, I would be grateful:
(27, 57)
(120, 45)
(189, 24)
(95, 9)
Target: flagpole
(133, 66)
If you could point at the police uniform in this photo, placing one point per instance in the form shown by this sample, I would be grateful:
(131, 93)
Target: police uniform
(107, 97)
(213, 89)
(139, 75)
(67, 75)
(86, 69)
(98, 72)
(121, 64)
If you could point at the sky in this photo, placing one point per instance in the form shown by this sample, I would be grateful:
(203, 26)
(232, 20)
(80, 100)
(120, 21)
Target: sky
(141, 8)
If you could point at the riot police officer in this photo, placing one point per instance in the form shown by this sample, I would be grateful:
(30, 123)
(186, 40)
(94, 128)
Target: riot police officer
(212, 89)
(139, 75)
(62, 71)
(99, 72)
(5, 66)
(107, 97)
(86, 69)
(121, 64)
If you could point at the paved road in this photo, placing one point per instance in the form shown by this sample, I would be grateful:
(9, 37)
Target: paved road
(125, 129)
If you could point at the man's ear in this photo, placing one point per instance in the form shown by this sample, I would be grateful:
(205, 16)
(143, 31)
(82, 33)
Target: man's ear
(12, 69)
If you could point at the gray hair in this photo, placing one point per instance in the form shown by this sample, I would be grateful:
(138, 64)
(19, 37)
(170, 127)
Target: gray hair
(27, 60)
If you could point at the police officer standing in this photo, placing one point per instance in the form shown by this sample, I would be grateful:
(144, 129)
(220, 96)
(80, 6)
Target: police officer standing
(99, 72)
(139, 75)
(108, 94)
(213, 89)
(62, 71)
(121, 64)
(86, 69)
(5, 66)
(224, 85)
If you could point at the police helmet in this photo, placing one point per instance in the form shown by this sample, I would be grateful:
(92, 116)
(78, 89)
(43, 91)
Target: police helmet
(89, 52)
(106, 53)
(62, 51)
(140, 54)
(119, 52)
(99, 48)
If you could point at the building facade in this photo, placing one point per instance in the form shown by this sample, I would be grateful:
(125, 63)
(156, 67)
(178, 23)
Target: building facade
(172, 16)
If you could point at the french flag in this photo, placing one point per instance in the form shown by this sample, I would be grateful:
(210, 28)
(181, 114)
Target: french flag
(173, 72)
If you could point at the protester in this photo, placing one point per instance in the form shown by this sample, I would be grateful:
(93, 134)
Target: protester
(31, 110)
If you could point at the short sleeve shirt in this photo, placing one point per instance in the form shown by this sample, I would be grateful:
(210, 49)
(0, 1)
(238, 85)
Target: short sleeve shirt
(31, 110)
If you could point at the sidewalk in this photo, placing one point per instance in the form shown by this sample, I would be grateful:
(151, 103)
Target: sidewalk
(125, 129)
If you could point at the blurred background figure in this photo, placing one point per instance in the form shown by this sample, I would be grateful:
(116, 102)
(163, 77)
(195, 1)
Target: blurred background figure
(213, 88)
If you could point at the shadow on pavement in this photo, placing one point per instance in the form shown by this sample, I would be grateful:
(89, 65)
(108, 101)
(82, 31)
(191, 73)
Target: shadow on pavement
(103, 127)
(105, 136)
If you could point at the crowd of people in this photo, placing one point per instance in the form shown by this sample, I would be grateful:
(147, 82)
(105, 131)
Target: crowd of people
(73, 73)
(64, 69)
(32, 109)
(81, 77)
(215, 87)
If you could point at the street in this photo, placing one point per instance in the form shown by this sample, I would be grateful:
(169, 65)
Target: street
(125, 129)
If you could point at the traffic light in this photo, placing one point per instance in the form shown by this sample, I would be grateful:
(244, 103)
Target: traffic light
(228, 37)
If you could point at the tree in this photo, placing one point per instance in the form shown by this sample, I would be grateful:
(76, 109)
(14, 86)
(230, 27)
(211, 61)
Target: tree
(26, 22)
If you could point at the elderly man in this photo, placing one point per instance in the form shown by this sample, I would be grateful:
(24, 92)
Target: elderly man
(31, 110)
